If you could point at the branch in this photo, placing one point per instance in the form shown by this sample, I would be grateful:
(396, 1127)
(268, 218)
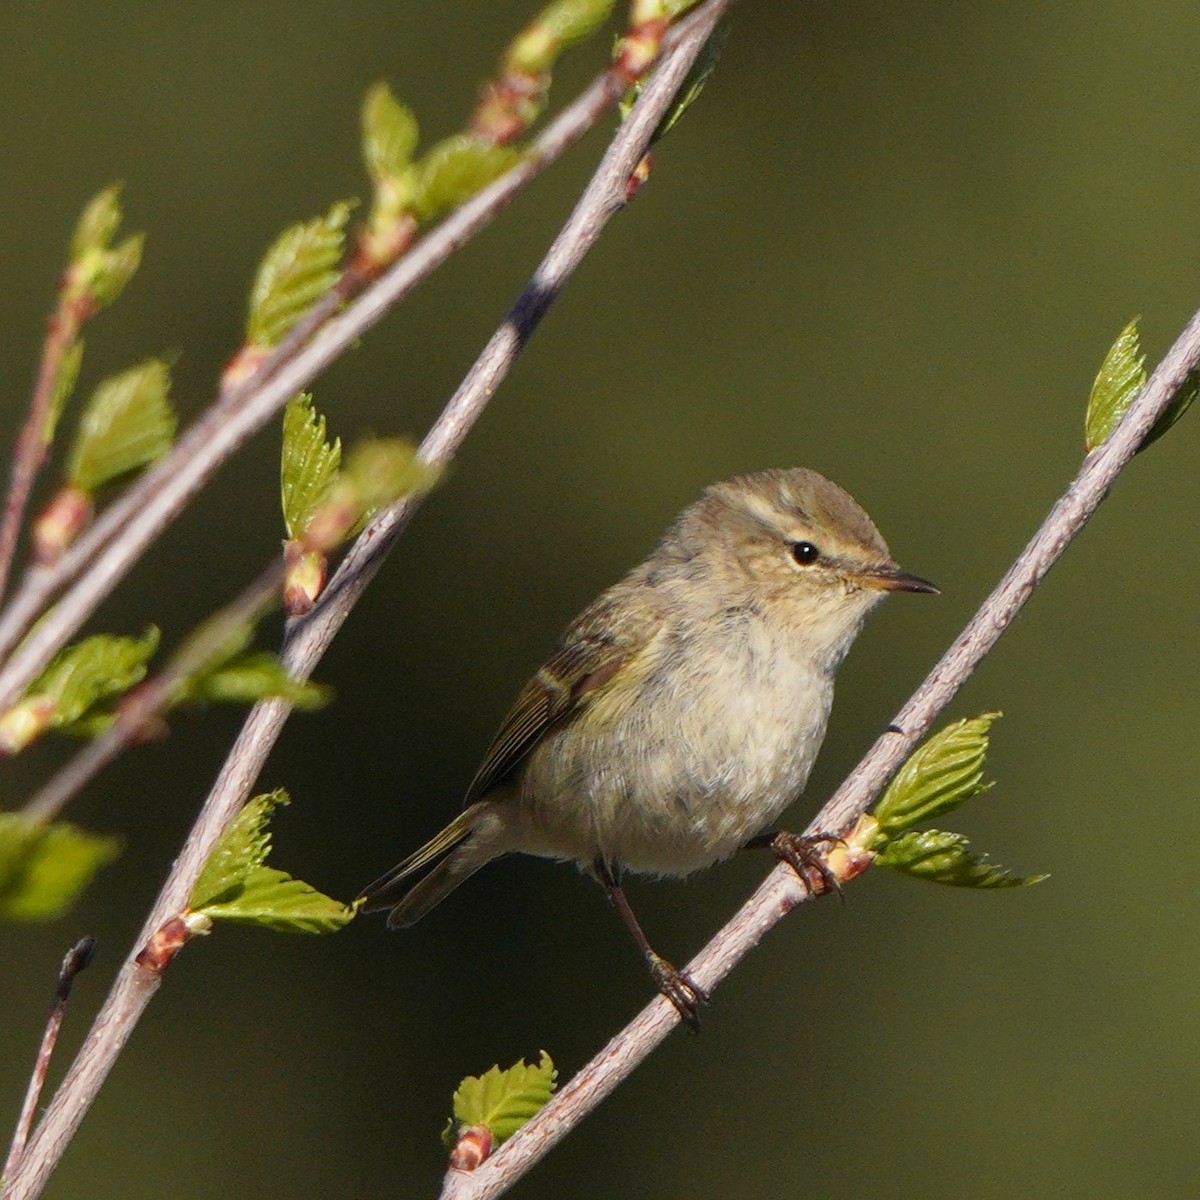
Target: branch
(32, 443)
(308, 637)
(783, 890)
(76, 960)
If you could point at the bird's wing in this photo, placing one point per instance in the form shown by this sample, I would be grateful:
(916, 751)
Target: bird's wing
(588, 657)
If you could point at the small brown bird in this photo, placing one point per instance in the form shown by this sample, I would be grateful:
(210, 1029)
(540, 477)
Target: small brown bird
(682, 711)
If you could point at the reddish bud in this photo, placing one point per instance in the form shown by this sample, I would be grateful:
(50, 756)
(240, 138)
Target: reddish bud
(508, 106)
(638, 49)
(60, 524)
(159, 952)
(24, 722)
(473, 1148)
(304, 578)
(377, 246)
(243, 365)
(639, 175)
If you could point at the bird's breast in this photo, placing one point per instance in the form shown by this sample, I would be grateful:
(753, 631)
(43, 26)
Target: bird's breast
(717, 738)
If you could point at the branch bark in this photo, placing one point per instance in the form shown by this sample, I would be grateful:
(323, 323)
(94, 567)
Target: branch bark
(308, 637)
(782, 890)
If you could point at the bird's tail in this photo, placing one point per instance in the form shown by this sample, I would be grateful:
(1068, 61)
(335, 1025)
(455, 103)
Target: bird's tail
(455, 854)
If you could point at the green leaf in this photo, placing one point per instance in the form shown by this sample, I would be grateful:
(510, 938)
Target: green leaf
(389, 132)
(298, 269)
(116, 268)
(505, 1100)
(274, 900)
(455, 169)
(99, 271)
(98, 222)
(942, 857)
(242, 848)
(939, 776)
(1121, 377)
(1120, 380)
(309, 463)
(127, 425)
(64, 385)
(556, 27)
(93, 670)
(382, 470)
(249, 678)
(43, 868)
(693, 83)
(235, 885)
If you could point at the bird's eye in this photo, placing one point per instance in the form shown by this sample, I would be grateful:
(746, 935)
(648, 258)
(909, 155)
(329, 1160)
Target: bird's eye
(805, 553)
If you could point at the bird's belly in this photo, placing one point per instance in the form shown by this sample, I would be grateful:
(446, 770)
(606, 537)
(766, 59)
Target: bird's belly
(667, 798)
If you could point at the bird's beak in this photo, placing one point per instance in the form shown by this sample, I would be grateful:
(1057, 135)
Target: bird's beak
(889, 578)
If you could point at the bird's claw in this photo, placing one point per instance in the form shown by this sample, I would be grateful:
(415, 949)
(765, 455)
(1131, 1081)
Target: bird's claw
(805, 854)
(683, 992)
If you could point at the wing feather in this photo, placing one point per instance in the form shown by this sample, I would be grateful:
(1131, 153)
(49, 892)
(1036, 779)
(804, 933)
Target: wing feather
(590, 654)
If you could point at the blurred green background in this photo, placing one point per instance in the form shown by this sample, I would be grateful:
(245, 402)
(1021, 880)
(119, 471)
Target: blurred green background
(892, 243)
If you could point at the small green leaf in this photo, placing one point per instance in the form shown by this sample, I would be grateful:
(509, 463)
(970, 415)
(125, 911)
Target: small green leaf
(1120, 380)
(1179, 405)
(116, 269)
(98, 271)
(570, 21)
(556, 27)
(694, 82)
(298, 269)
(43, 868)
(309, 463)
(274, 900)
(455, 169)
(389, 132)
(242, 848)
(236, 886)
(939, 776)
(64, 385)
(98, 222)
(380, 471)
(249, 678)
(942, 857)
(93, 670)
(127, 425)
(505, 1100)
(1121, 377)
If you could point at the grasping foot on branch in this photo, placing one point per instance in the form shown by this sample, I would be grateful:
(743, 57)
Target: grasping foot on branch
(805, 854)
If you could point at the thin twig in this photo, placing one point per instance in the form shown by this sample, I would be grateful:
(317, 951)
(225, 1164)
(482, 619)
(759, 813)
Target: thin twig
(30, 450)
(310, 636)
(782, 890)
(150, 698)
(77, 958)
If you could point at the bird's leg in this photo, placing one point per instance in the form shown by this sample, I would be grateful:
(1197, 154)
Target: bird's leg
(805, 854)
(683, 992)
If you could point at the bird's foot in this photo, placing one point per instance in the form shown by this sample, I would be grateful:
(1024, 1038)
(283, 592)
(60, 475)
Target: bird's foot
(805, 854)
(683, 992)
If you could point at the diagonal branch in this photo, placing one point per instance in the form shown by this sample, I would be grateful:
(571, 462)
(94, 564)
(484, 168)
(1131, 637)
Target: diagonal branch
(782, 890)
(308, 637)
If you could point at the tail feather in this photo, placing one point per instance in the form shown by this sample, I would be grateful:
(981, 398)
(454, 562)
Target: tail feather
(409, 903)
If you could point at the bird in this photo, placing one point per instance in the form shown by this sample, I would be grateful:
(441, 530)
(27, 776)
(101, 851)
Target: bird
(681, 711)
